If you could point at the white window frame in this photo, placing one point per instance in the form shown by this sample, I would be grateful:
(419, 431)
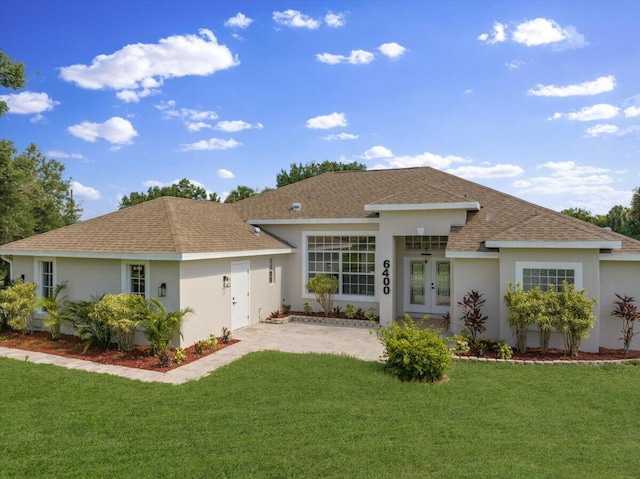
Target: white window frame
(576, 267)
(338, 296)
(38, 272)
(126, 277)
(272, 271)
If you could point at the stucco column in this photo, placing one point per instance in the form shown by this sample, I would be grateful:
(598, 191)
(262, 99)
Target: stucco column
(385, 276)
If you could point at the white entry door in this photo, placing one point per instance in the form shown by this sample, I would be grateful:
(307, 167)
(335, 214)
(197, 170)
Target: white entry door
(427, 285)
(239, 294)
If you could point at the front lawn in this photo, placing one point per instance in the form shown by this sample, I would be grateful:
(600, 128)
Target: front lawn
(277, 415)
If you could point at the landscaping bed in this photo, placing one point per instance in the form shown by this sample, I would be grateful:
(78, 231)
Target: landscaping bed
(533, 354)
(70, 346)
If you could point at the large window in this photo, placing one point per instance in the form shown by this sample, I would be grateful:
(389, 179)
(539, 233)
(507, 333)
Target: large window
(350, 259)
(529, 275)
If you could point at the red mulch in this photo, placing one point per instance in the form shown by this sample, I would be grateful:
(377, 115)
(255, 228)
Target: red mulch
(71, 347)
(533, 354)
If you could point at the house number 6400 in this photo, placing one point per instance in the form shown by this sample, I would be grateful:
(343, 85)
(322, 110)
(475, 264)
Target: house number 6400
(385, 277)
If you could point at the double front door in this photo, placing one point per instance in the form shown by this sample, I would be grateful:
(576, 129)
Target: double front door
(426, 285)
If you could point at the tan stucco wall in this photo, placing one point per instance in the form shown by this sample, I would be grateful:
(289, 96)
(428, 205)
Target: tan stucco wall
(202, 289)
(483, 276)
(623, 278)
(590, 282)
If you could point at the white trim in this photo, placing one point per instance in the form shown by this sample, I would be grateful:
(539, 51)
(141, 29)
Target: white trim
(339, 296)
(124, 286)
(619, 257)
(555, 244)
(150, 256)
(314, 221)
(472, 254)
(576, 267)
(467, 205)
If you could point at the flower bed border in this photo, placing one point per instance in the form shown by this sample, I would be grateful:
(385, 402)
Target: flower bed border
(294, 318)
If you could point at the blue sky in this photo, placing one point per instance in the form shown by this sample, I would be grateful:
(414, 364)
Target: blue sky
(537, 99)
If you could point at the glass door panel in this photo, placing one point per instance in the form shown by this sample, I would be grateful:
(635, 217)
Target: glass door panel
(416, 281)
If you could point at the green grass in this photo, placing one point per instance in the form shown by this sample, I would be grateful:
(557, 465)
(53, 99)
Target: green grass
(275, 415)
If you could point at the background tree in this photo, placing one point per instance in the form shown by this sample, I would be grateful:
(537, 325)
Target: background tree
(241, 193)
(299, 171)
(35, 196)
(11, 76)
(182, 189)
(585, 215)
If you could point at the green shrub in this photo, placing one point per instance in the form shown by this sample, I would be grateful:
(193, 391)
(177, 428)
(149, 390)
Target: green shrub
(336, 311)
(349, 311)
(160, 326)
(17, 303)
(122, 313)
(55, 308)
(525, 309)
(460, 345)
(212, 341)
(575, 316)
(502, 349)
(412, 353)
(286, 307)
(307, 309)
(372, 315)
(94, 332)
(472, 316)
(200, 346)
(179, 356)
(323, 287)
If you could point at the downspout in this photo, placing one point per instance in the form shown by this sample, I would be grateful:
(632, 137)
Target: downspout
(9, 259)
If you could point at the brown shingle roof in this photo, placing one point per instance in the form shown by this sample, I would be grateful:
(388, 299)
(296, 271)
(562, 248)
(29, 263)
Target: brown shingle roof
(502, 216)
(163, 226)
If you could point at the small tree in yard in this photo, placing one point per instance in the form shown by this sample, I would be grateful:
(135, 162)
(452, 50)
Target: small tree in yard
(122, 313)
(17, 302)
(323, 287)
(54, 307)
(472, 316)
(628, 312)
(574, 317)
(160, 326)
(526, 308)
(413, 353)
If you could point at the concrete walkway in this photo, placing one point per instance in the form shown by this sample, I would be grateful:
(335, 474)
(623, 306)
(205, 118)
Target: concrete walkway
(292, 338)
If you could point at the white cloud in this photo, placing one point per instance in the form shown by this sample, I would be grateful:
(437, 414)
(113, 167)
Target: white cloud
(84, 192)
(514, 64)
(468, 91)
(497, 36)
(115, 130)
(377, 151)
(335, 19)
(540, 31)
(237, 125)
(28, 102)
(237, 36)
(239, 21)
(295, 19)
(225, 174)
(495, 171)
(601, 129)
(324, 122)
(61, 155)
(211, 144)
(392, 50)
(601, 111)
(609, 130)
(356, 57)
(341, 136)
(160, 184)
(595, 87)
(197, 125)
(137, 69)
(423, 159)
(571, 168)
(632, 111)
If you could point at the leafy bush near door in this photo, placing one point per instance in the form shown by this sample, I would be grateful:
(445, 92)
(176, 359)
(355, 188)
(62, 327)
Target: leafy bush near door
(413, 353)
(17, 303)
(122, 313)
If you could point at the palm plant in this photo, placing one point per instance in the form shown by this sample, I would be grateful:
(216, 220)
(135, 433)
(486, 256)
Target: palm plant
(160, 326)
(54, 307)
(95, 333)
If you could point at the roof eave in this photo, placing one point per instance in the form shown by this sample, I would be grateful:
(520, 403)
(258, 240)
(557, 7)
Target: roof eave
(465, 205)
(555, 244)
